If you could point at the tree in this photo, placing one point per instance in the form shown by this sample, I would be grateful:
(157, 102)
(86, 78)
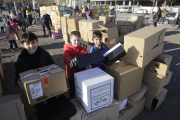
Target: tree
(172, 1)
(153, 6)
(133, 4)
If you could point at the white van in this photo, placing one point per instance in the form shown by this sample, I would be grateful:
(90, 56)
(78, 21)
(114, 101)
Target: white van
(124, 9)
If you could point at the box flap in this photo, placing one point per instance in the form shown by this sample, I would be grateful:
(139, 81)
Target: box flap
(9, 98)
(166, 59)
(136, 96)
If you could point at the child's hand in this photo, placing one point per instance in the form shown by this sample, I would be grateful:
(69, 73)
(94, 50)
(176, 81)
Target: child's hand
(70, 65)
(20, 84)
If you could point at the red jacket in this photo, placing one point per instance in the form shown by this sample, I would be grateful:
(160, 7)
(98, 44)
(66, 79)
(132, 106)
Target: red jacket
(69, 53)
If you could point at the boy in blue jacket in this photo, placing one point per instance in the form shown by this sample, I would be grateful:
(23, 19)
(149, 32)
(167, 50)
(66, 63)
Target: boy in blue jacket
(98, 45)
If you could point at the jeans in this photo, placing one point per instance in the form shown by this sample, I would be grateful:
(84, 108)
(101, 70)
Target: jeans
(162, 18)
(71, 88)
(11, 42)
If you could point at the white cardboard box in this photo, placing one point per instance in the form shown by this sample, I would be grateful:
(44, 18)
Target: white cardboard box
(122, 104)
(94, 88)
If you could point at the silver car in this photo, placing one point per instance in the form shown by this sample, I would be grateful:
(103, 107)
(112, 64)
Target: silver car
(124, 9)
(141, 11)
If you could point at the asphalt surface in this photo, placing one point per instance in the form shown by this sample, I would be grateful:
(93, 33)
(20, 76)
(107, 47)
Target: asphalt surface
(170, 108)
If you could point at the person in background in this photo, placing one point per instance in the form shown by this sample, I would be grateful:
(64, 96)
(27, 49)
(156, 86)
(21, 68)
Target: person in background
(23, 12)
(11, 16)
(163, 15)
(27, 13)
(157, 16)
(33, 16)
(14, 25)
(10, 36)
(87, 15)
(2, 26)
(8, 15)
(20, 14)
(113, 12)
(4, 18)
(37, 17)
(70, 51)
(177, 21)
(15, 16)
(98, 45)
(45, 20)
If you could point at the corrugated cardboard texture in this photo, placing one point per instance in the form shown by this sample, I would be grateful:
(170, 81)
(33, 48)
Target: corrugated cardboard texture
(136, 96)
(107, 18)
(143, 45)
(11, 108)
(154, 91)
(152, 102)
(120, 117)
(66, 38)
(110, 112)
(156, 80)
(56, 81)
(65, 18)
(160, 64)
(127, 79)
(74, 23)
(138, 18)
(129, 113)
(65, 30)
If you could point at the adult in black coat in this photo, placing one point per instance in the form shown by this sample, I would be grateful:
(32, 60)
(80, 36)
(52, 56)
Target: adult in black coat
(45, 22)
(23, 12)
(157, 17)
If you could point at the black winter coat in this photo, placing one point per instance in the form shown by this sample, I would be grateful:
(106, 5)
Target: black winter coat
(23, 12)
(157, 17)
(22, 63)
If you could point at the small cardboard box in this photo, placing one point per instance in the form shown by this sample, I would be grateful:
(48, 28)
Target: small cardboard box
(43, 83)
(114, 54)
(110, 112)
(154, 91)
(74, 23)
(65, 18)
(156, 80)
(138, 18)
(143, 45)
(160, 64)
(94, 88)
(11, 108)
(86, 59)
(127, 79)
(122, 104)
(129, 113)
(136, 97)
(152, 102)
(107, 18)
(65, 30)
(87, 25)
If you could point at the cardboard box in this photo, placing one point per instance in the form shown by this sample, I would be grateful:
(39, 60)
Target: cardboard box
(74, 23)
(127, 79)
(136, 97)
(114, 54)
(71, 30)
(43, 83)
(160, 64)
(120, 117)
(129, 113)
(87, 48)
(11, 108)
(87, 25)
(1, 90)
(110, 112)
(156, 80)
(65, 18)
(123, 22)
(138, 18)
(154, 91)
(143, 45)
(94, 88)
(152, 102)
(107, 19)
(85, 41)
(122, 104)
(65, 30)
(110, 25)
(86, 59)
(66, 38)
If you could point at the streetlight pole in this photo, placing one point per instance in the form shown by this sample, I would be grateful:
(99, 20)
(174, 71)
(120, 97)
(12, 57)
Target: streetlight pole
(15, 6)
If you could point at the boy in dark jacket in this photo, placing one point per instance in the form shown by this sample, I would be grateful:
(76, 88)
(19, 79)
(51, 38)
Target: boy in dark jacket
(31, 57)
(70, 51)
(98, 45)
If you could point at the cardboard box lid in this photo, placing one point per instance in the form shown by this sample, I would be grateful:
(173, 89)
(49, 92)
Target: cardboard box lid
(144, 39)
(136, 96)
(91, 76)
(137, 17)
(122, 67)
(120, 117)
(154, 102)
(111, 109)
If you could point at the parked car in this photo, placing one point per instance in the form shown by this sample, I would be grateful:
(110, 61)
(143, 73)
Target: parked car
(123, 9)
(170, 18)
(141, 11)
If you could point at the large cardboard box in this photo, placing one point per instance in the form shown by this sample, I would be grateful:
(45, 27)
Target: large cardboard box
(43, 83)
(94, 88)
(160, 64)
(87, 25)
(87, 48)
(138, 18)
(129, 113)
(136, 97)
(11, 108)
(152, 102)
(154, 91)
(85, 41)
(107, 18)
(143, 45)
(120, 117)
(65, 30)
(65, 18)
(127, 79)
(110, 112)
(71, 30)
(156, 80)
(1, 90)
(66, 38)
(74, 23)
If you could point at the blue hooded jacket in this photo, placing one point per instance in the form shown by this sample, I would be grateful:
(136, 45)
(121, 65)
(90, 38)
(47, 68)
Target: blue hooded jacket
(104, 49)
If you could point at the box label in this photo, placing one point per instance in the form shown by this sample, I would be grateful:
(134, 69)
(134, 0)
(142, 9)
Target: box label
(36, 90)
(103, 6)
(64, 13)
(91, 7)
(98, 11)
(100, 96)
(102, 14)
(45, 80)
(112, 41)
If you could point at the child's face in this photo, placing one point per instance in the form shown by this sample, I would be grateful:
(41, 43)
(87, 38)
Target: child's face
(75, 41)
(97, 42)
(31, 46)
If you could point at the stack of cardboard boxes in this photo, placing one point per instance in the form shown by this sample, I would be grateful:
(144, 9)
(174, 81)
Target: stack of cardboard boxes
(69, 24)
(99, 10)
(109, 21)
(56, 12)
(124, 27)
(136, 21)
